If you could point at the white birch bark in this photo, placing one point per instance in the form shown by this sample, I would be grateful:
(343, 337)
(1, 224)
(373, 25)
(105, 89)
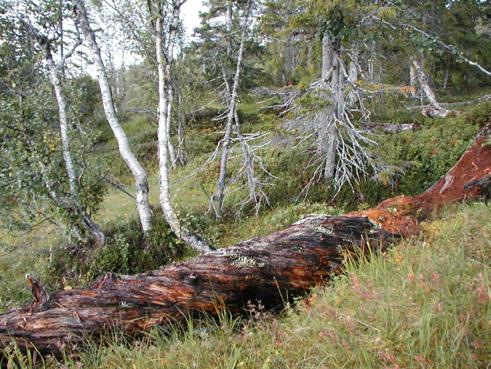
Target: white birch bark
(54, 78)
(55, 74)
(129, 158)
(163, 133)
(62, 116)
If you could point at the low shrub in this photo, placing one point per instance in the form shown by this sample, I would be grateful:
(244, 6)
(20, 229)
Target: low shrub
(127, 251)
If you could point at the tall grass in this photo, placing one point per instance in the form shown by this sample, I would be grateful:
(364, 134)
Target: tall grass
(422, 304)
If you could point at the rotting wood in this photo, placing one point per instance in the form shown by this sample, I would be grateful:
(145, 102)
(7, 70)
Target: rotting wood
(272, 269)
(390, 127)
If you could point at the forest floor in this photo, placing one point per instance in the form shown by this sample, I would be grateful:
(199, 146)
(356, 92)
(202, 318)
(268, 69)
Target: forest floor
(442, 140)
(421, 305)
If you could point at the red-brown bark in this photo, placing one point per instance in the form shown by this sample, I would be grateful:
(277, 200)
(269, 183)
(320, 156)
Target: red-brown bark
(272, 269)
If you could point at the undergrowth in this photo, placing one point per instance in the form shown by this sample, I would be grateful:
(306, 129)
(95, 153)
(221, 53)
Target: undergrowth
(422, 304)
(412, 161)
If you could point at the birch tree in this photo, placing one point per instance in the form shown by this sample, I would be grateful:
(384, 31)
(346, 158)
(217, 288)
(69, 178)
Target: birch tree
(38, 155)
(139, 173)
(55, 72)
(164, 70)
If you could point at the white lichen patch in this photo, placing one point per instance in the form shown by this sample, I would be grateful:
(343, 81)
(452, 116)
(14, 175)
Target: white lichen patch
(242, 261)
(311, 218)
(315, 222)
(228, 251)
(324, 230)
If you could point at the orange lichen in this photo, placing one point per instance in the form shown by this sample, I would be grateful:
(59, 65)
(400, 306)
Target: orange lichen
(401, 214)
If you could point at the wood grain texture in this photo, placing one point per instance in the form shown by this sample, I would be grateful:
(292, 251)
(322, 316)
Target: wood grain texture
(271, 269)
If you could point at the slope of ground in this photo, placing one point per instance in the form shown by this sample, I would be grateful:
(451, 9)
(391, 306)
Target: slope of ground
(419, 158)
(423, 304)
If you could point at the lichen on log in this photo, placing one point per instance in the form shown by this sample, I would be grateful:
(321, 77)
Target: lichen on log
(272, 269)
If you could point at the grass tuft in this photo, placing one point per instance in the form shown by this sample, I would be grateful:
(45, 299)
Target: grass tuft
(422, 304)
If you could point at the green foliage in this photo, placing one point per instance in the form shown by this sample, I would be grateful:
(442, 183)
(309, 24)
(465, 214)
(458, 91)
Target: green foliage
(405, 308)
(33, 179)
(479, 115)
(427, 154)
(127, 252)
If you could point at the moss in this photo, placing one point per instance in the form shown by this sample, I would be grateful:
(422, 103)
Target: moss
(127, 251)
(422, 304)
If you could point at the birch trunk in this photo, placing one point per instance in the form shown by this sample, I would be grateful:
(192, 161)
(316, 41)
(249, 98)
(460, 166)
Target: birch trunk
(62, 116)
(170, 146)
(163, 133)
(131, 161)
(436, 109)
(54, 78)
(219, 194)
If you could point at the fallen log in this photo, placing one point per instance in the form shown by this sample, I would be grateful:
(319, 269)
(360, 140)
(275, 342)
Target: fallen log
(466, 180)
(272, 269)
(390, 127)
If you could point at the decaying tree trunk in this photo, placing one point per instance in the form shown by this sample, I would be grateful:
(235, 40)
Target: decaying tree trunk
(284, 264)
(272, 269)
(327, 132)
(390, 127)
(413, 79)
(218, 197)
(435, 109)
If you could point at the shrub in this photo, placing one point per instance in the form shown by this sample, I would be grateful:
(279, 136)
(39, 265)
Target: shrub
(427, 154)
(127, 251)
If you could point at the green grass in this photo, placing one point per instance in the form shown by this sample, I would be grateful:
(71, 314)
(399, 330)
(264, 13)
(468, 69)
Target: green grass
(21, 253)
(425, 155)
(364, 319)
(423, 304)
